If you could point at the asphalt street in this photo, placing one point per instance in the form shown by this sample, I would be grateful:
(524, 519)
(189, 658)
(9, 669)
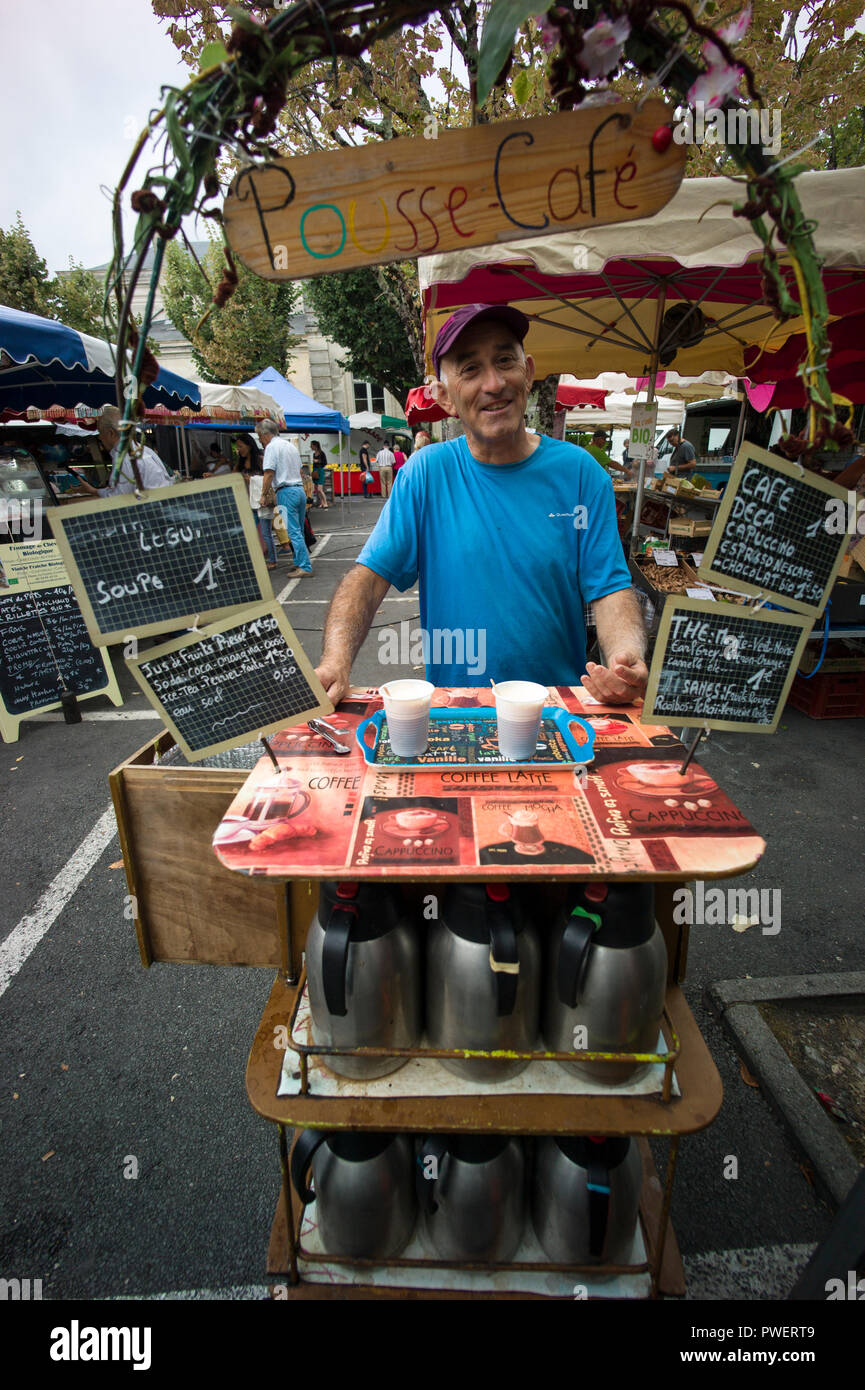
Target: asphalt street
(133, 1162)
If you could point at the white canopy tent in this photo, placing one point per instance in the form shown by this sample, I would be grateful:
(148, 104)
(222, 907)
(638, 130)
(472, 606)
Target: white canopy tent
(616, 413)
(248, 400)
(709, 386)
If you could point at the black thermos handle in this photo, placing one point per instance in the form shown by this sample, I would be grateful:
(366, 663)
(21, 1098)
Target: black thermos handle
(599, 1204)
(503, 939)
(433, 1147)
(573, 959)
(301, 1156)
(334, 957)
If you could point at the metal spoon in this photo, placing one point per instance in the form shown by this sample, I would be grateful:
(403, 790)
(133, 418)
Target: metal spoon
(319, 727)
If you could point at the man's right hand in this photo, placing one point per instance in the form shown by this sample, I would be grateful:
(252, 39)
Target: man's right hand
(335, 679)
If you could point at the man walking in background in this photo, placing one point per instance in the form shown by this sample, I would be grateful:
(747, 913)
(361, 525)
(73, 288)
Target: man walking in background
(282, 465)
(384, 462)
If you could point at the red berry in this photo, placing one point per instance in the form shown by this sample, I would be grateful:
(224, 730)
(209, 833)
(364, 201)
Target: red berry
(662, 138)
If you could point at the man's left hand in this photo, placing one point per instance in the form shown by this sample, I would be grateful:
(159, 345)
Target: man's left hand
(623, 682)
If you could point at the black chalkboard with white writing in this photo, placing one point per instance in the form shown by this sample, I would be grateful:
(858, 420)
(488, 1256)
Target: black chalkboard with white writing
(152, 564)
(234, 679)
(719, 666)
(777, 533)
(44, 649)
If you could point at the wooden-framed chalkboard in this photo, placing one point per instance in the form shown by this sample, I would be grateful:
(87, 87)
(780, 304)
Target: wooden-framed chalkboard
(155, 562)
(231, 681)
(45, 648)
(776, 533)
(722, 666)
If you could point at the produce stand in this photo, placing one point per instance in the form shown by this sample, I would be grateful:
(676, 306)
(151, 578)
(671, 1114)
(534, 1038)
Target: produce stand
(348, 482)
(189, 907)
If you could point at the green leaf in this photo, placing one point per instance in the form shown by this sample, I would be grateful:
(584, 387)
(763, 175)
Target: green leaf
(500, 30)
(211, 54)
(522, 86)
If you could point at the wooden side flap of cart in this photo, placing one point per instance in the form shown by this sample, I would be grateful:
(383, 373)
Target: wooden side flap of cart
(185, 905)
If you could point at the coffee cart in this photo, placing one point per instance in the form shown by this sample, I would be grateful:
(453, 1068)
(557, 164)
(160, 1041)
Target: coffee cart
(191, 907)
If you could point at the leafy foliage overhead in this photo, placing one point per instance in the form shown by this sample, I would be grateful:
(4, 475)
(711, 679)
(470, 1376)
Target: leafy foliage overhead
(353, 310)
(74, 298)
(249, 333)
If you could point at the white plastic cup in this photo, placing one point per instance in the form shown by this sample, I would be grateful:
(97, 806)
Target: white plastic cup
(518, 717)
(406, 705)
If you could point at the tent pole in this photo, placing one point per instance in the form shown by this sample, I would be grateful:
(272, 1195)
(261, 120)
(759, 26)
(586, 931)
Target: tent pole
(184, 451)
(341, 486)
(650, 396)
(740, 428)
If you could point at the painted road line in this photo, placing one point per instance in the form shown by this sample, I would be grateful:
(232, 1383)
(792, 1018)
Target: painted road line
(283, 595)
(25, 937)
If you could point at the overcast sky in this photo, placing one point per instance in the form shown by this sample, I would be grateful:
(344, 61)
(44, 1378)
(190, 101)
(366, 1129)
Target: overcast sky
(79, 80)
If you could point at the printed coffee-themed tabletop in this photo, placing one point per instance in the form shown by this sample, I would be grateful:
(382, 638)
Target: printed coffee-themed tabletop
(327, 815)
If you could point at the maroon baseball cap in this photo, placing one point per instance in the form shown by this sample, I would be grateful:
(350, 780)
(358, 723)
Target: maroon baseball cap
(473, 313)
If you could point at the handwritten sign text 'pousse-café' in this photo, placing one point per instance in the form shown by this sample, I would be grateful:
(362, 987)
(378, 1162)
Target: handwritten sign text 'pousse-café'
(399, 199)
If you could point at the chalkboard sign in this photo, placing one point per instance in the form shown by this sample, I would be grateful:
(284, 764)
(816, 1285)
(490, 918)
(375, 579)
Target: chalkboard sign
(217, 688)
(44, 649)
(720, 666)
(153, 563)
(776, 533)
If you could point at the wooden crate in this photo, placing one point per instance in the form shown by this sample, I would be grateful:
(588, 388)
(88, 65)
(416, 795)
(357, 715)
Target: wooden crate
(689, 526)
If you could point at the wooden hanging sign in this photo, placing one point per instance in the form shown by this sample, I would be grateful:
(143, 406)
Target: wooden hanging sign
(780, 532)
(400, 199)
(720, 666)
(155, 562)
(227, 683)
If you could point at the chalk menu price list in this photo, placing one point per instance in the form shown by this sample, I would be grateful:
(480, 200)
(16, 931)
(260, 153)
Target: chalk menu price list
(715, 665)
(43, 637)
(148, 564)
(219, 687)
(776, 533)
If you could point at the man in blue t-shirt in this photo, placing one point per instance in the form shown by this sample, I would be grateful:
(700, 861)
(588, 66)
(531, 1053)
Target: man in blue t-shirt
(508, 534)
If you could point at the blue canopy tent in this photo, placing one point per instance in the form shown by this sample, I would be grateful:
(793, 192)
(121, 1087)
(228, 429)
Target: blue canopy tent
(43, 364)
(302, 413)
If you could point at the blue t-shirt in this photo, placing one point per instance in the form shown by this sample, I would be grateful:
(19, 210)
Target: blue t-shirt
(506, 556)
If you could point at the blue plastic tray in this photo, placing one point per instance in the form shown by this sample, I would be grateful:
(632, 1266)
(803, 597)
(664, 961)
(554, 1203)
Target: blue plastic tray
(471, 742)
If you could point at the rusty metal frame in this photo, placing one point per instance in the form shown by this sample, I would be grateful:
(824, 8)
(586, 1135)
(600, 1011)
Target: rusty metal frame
(651, 1266)
(306, 1050)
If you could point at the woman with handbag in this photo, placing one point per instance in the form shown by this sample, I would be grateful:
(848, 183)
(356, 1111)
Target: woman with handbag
(365, 462)
(262, 507)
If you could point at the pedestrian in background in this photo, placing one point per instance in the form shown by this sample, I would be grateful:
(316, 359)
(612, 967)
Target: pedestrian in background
(319, 473)
(282, 469)
(365, 462)
(384, 462)
(263, 514)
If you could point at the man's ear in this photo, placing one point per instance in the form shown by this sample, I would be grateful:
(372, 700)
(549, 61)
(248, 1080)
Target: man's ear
(439, 392)
(530, 370)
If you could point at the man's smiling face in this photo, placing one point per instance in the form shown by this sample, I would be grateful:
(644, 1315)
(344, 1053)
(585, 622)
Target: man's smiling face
(487, 378)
